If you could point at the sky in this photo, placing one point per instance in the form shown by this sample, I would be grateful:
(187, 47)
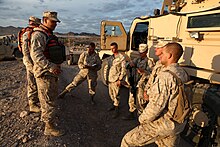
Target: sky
(76, 15)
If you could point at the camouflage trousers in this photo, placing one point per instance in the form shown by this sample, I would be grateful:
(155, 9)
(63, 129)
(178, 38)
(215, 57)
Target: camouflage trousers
(79, 78)
(32, 93)
(114, 93)
(148, 133)
(139, 103)
(47, 91)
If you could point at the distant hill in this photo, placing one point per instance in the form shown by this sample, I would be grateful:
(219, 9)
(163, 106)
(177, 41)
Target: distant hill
(13, 30)
(9, 30)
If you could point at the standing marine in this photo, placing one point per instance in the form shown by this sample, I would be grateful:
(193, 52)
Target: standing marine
(46, 53)
(140, 69)
(24, 47)
(117, 72)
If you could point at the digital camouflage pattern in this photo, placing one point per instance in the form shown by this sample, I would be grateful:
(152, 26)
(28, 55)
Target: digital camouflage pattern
(47, 82)
(86, 73)
(156, 123)
(157, 68)
(117, 71)
(41, 63)
(28, 62)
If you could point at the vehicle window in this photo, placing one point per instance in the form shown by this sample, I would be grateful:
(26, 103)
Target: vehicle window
(201, 21)
(112, 30)
(140, 35)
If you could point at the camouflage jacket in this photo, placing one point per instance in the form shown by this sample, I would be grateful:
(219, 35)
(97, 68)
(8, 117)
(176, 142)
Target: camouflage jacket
(157, 68)
(90, 60)
(147, 65)
(163, 95)
(116, 66)
(38, 45)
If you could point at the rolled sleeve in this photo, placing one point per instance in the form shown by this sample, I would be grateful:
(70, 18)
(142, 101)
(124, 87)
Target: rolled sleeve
(81, 61)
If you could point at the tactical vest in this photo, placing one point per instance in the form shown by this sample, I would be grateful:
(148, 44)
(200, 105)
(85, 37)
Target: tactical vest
(55, 50)
(183, 108)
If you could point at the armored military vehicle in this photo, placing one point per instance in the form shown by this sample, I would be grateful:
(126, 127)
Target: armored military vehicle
(195, 24)
(8, 47)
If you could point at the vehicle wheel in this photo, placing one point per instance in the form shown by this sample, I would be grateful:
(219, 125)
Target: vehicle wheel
(17, 54)
(104, 71)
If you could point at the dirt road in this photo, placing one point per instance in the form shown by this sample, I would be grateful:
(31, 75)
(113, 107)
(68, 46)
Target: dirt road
(86, 125)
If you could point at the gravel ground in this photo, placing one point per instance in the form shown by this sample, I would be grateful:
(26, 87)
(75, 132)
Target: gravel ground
(86, 125)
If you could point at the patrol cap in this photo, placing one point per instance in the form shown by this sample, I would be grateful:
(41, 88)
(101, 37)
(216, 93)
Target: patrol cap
(51, 15)
(142, 48)
(161, 44)
(35, 19)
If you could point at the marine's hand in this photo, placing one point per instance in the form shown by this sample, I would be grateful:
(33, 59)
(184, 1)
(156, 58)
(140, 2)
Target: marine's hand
(118, 83)
(139, 70)
(146, 97)
(56, 71)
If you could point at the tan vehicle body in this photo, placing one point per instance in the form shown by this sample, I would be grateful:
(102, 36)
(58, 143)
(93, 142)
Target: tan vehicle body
(195, 24)
(201, 51)
(7, 45)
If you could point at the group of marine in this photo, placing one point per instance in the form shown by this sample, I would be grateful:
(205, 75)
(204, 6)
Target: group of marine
(153, 90)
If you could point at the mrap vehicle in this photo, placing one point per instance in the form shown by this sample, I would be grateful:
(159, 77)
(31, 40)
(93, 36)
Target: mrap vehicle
(195, 24)
(8, 47)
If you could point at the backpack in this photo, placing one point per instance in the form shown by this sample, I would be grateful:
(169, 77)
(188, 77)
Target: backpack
(183, 108)
(20, 36)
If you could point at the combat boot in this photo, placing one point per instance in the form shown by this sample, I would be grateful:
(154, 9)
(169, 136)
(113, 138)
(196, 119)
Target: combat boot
(92, 100)
(34, 108)
(116, 112)
(62, 94)
(130, 116)
(51, 130)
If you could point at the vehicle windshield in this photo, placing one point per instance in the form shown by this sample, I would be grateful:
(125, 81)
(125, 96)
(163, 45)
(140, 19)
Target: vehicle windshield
(140, 35)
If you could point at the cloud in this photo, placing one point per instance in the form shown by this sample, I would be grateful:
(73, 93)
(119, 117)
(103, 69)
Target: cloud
(41, 1)
(111, 7)
(76, 16)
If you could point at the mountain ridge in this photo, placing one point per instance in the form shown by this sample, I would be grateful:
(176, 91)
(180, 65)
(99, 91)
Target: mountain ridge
(9, 30)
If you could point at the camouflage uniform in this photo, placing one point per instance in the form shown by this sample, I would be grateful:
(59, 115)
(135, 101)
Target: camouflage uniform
(156, 123)
(47, 82)
(28, 62)
(157, 68)
(117, 71)
(85, 73)
(146, 64)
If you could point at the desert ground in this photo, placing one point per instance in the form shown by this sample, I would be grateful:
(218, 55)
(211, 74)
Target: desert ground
(86, 125)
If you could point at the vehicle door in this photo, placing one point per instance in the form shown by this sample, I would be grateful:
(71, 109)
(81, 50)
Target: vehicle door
(113, 31)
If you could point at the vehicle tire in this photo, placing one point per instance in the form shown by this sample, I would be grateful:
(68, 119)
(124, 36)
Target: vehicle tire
(17, 54)
(104, 71)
